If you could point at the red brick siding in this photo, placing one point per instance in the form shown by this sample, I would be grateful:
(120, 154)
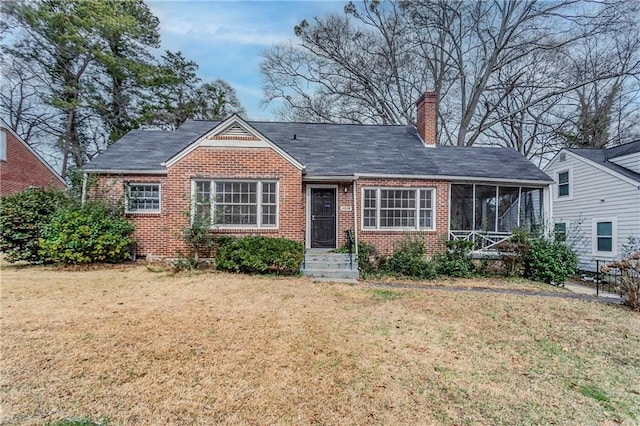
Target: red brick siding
(161, 234)
(426, 118)
(150, 231)
(385, 240)
(22, 169)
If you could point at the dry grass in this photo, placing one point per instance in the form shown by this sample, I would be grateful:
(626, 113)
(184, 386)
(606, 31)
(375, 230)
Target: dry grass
(140, 347)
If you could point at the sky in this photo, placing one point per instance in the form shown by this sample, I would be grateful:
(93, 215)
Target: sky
(226, 38)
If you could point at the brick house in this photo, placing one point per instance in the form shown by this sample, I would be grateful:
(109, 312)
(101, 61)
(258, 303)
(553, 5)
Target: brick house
(310, 182)
(21, 167)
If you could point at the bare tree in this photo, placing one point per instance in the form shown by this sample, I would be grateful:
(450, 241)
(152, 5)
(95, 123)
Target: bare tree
(496, 66)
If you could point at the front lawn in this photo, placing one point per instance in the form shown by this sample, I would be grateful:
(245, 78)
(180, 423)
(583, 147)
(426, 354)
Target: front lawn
(127, 345)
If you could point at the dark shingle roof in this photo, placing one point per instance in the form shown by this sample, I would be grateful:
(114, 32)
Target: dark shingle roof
(603, 157)
(333, 150)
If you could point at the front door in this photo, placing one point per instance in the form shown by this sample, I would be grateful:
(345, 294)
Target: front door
(323, 218)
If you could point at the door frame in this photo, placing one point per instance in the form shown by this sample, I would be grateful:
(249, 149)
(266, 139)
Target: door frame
(307, 239)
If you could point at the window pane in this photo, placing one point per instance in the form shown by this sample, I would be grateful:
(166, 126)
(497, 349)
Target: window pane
(563, 177)
(426, 210)
(461, 207)
(563, 190)
(397, 208)
(369, 209)
(236, 203)
(605, 244)
(143, 197)
(605, 229)
(560, 231)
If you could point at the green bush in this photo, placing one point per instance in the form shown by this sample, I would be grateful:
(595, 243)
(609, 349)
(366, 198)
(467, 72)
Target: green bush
(22, 217)
(93, 233)
(259, 255)
(456, 260)
(368, 258)
(408, 260)
(548, 261)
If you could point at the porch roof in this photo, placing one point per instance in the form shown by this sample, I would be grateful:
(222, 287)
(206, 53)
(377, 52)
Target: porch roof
(333, 150)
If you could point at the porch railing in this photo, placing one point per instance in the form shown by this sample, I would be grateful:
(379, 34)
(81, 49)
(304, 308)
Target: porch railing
(483, 242)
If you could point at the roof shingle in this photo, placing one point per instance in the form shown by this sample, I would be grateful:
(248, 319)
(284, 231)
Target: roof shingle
(332, 150)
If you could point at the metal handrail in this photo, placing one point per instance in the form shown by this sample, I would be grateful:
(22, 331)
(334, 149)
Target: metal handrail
(349, 240)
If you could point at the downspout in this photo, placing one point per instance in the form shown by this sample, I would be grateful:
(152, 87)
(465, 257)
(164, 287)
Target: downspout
(85, 177)
(355, 218)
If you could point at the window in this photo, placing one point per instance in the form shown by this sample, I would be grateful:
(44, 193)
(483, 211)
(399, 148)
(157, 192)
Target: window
(3, 145)
(563, 184)
(250, 204)
(143, 198)
(604, 241)
(560, 231)
(397, 208)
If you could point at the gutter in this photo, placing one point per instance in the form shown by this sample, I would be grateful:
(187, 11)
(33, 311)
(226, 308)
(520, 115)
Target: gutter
(455, 178)
(126, 172)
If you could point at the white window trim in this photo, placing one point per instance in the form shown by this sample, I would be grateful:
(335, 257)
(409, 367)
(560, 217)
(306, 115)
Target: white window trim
(127, 189)
(259, 183)
(614, 237)
(557, 185)
(396, 229)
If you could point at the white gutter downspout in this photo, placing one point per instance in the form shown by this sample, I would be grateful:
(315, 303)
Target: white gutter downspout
(85, 177)
(355, 219)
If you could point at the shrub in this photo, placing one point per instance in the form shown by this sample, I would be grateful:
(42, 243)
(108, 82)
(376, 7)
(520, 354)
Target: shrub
(259, 255)
(22, 217)
(408, 260)
(199, 238)
(456, 260)
(368, 258)
(551, 262)
(514, 253)
(629, 282)
(93, 233)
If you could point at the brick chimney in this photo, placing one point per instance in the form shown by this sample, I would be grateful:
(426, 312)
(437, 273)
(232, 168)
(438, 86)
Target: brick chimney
(426, 118)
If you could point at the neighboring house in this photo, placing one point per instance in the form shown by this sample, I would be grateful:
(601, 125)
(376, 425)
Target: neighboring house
(312, 182)
(596, 200)
(21, 167)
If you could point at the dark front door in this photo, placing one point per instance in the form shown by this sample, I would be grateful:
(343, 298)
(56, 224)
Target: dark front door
(323, 218)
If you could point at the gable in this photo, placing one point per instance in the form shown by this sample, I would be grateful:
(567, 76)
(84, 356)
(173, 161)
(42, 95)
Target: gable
(233, 133)
(572, 159)
(30, 166)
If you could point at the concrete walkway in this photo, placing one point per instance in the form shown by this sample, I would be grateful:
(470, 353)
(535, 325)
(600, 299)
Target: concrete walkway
(582, 289)
(575, 291)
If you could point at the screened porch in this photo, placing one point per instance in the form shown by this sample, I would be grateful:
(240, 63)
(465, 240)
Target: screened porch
(488, 214)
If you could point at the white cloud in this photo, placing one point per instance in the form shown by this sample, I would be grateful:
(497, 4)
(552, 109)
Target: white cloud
(218, 22)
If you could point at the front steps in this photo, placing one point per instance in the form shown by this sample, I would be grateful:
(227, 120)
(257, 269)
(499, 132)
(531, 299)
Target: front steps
(327, 266)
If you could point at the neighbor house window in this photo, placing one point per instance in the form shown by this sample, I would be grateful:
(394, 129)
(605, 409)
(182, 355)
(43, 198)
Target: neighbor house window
(398, 208)
(252, 204)
(604, 238)
(563, 184)
(560, 231)
(143, 198)
(3, 145)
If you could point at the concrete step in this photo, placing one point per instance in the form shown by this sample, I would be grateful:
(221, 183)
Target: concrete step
(337, 274)
(323, 264)
(327, 257)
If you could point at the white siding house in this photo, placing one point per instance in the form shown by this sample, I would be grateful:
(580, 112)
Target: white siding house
(596, 200)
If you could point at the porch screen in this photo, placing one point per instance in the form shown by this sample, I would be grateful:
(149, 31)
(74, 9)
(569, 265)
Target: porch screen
(493, 208)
